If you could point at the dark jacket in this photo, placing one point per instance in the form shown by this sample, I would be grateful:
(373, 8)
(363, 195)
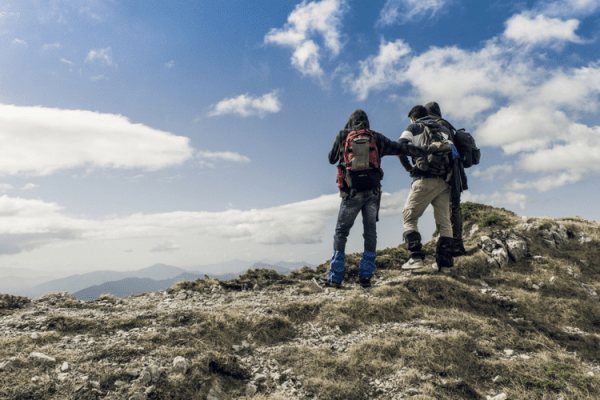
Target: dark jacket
(385, 147)
(417, 129)
(434, 111)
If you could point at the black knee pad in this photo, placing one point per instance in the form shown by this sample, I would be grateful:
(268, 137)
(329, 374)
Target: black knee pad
(413, 240)
(443, 252)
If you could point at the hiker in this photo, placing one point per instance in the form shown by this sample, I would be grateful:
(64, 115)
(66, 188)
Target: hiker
(457, 186)
(431, 175)
(359, 151)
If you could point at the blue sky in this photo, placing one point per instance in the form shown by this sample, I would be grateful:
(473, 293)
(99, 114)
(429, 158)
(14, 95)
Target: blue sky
(190, 133)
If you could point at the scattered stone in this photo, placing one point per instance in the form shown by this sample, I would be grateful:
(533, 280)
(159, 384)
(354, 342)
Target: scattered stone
(251, 389)
(584, 263)
(508, 352)
(474, 229)
(139, 396)
(584, 239)
(497, 379)
(64, 367)
(155, 372)
(35, 336)
(42, 358)
(501, 396)
(540, 260)
(145, 378)
(181, 365)
(150, 389)
(6, 366)
(552, 280)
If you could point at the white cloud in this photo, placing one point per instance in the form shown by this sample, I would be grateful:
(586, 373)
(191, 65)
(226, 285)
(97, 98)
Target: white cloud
(246, 105)
(404, 10)
(381, 71)
(308, 21)
(5, 186)
(29, 224)
(226, 155)
(167, 246)
(492, 172)
(29, 186)
(170, 64)
(563, 8)
(49, 46)
(40, 141)
(69, 63)
(19, 42)
(104, 56)
(526, 29)
(498, 199)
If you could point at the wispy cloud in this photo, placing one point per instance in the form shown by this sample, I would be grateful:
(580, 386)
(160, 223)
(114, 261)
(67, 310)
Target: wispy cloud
(104, 56)
(308, 22)
(170, 64)
(209, 159)
(493, 172)
(19, 42)
(29, 186)
(41, 141)
(403, 10)
(5, 186)
(498, 199)
(97, 77)
(247, 105)
(167, 246)
(49, 46)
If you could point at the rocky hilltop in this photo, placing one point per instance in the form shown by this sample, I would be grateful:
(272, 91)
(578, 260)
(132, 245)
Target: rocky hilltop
(518, 317)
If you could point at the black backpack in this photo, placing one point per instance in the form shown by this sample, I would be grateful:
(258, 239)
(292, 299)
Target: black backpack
(467, 148)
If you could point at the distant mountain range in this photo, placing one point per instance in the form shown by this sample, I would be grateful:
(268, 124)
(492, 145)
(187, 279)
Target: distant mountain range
(133, 282)
(129, 286)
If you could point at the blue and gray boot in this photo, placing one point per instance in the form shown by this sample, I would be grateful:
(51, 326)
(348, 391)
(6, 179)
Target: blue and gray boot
(336, 268)
(366, 268)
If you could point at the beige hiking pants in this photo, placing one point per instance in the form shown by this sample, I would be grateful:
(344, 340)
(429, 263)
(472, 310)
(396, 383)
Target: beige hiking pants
(434, 191)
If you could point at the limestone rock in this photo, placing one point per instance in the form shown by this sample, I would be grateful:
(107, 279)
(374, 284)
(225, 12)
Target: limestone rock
(181, 365)
(584, 239)
(42, 358)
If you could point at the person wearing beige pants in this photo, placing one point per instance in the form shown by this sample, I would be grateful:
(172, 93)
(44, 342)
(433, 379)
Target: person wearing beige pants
(427, 188)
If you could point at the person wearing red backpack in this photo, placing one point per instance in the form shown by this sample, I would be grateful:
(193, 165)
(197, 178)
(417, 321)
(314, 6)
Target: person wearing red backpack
(358, 150)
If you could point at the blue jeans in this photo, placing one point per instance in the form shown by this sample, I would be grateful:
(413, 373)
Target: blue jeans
(362, 201)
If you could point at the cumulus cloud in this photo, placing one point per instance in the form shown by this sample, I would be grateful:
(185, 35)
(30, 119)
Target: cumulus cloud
(380, 71)
(527, 29)
(306, 23)
(247, 105)
(104, 56)
(404, 10)
(40, 141)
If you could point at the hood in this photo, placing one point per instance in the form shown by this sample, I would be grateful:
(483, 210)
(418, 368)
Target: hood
(433, 109)
(358, 120)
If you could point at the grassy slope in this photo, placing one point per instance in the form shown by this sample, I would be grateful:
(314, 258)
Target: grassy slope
(476, 313)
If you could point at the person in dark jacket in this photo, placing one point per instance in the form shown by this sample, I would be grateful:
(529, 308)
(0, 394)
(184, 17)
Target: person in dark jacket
(365, 201)
(458, 183)
(427, 188)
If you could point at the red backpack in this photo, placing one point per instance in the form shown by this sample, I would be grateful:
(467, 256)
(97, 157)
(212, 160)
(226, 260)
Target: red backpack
(360, 168)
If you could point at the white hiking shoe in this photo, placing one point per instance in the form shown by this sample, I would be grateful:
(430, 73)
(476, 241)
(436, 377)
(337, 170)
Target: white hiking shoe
(444, 270)
(413, 264)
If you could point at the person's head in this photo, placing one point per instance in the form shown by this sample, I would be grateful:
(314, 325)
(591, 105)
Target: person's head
(433, 109)
(417, 112)
(358, 120)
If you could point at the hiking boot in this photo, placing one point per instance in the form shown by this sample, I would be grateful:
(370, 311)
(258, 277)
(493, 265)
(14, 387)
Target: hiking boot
(444, 270)
(364, 282)
(413, 264)
(332, 284)
(458, 248)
